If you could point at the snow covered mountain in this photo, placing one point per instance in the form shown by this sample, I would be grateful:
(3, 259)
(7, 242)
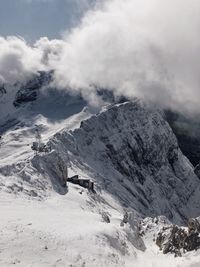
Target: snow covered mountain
(130, 153)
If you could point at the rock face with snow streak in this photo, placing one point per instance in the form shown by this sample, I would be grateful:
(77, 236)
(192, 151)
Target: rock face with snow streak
(131, 152)
(29, 91)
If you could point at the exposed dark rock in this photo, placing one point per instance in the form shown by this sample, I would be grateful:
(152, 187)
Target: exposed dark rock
(105, 217)
(29, 91)
(125, 219)
(178, 240)
(197, 170)
(2, 90)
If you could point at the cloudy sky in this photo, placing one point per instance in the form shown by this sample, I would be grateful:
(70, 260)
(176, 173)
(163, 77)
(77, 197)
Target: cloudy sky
(32, 19)
(148, 49)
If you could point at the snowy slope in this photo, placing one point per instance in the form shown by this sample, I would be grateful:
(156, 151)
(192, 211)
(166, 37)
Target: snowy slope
(68, 231)
(60, 232)
(51, 111)
(128, 150)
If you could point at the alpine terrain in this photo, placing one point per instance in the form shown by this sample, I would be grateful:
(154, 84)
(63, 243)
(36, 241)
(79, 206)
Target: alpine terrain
(92, 186)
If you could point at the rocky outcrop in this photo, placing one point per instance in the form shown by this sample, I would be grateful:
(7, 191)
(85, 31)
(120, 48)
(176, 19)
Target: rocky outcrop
(178, 240)
(29, 91)
(131, 152)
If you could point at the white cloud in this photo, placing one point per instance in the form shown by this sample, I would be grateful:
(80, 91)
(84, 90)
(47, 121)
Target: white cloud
(17, 60)
(149, 49)
(141, 48)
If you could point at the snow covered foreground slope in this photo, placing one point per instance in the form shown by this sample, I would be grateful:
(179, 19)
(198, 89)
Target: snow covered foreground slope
(130, 153)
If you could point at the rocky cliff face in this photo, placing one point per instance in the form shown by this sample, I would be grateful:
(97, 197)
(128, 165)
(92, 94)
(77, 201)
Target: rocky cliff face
(29, 91)
(179, 240)
(131, 152)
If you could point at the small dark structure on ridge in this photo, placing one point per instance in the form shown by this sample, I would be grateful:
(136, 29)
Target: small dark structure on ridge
(86, 183)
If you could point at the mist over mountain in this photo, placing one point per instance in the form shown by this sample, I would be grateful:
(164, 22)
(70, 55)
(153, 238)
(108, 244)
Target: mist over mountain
(133, 48)
(99, 138)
